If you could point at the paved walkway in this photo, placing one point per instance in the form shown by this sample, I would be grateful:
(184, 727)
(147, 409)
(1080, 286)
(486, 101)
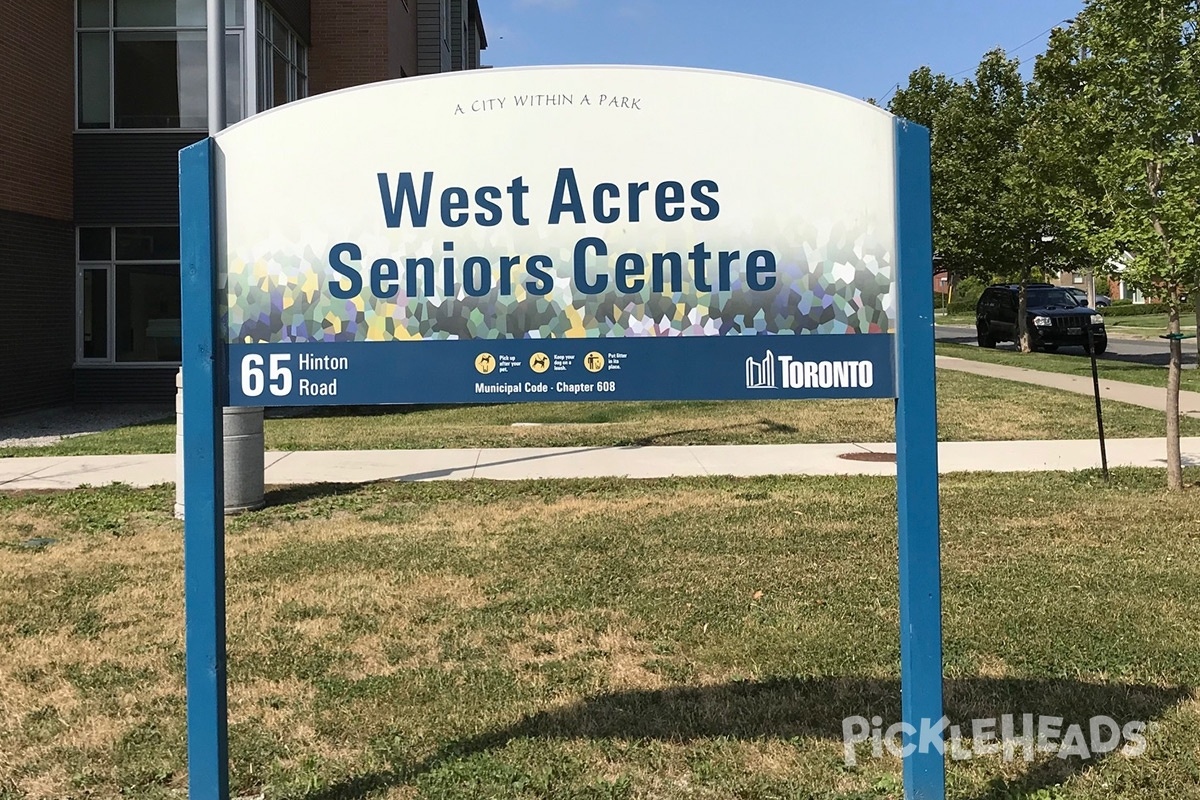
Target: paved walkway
(348, 466)
(1133, 393)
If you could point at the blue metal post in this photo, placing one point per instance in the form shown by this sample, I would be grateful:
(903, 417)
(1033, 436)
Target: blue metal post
(917, 471)
(204, 502)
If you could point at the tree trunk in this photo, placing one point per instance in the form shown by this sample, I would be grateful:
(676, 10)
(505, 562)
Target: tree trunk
(1023, 338)
(1174, 461)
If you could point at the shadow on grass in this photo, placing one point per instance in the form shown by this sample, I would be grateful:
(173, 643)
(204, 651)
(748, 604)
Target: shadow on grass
(291, 494)
(813, 707)
(766, 426)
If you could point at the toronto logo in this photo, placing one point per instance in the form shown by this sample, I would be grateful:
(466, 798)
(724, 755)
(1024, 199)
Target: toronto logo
(761, 374)
(787, 372)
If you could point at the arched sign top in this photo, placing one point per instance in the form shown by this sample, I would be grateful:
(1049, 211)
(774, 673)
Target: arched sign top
(485, 74)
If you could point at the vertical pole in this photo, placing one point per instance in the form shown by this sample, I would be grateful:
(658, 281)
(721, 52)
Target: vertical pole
(917, 474)
(204, 524)
(203, 450)
(215, 39)
(1099, 412)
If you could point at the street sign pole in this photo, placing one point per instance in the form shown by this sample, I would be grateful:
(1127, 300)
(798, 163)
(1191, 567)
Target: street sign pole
(204, 524)
(204, 492)
(917, 473)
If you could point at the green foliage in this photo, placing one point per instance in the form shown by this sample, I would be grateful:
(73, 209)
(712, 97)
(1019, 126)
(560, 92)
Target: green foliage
(1131, 310)
(966, 295)
(989, 215)
(1119, 92)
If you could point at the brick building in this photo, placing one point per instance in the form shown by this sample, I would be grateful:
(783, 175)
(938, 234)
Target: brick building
(99, 96)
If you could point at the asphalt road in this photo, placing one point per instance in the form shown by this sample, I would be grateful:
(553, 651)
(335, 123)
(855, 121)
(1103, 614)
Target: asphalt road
(1139, 351)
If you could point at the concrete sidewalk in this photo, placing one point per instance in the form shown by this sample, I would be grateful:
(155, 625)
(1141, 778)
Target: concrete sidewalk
(1133, 393)
(348, 466)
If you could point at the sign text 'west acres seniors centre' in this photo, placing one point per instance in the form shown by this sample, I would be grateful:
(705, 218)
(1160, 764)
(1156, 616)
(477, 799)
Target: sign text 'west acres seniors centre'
(560, 234)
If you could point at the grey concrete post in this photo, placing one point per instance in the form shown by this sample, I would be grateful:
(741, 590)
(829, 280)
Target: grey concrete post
(244, 463)
(243, 440)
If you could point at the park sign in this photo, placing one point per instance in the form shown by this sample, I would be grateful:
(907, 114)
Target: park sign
(559, 234)
(575, 233)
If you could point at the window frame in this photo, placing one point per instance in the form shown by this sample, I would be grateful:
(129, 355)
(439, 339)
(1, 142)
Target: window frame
(109, 269)
(110, 328)
(294, 53)
(112, 29)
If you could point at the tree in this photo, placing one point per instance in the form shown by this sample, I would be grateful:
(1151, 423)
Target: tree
(1061, 153)
(1127, 78)
(988, 219)
(924, 101)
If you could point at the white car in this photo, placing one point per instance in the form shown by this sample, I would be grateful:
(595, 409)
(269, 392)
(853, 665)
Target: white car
(1082, 299)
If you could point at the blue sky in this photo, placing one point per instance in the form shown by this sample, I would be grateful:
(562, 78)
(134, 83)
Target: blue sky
(857, 47)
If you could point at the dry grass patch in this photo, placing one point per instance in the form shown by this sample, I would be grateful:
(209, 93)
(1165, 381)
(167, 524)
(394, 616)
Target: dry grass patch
(593, 639)
(608, 642)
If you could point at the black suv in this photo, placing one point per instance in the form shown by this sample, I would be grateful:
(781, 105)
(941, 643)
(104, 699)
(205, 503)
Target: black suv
(1054, 318)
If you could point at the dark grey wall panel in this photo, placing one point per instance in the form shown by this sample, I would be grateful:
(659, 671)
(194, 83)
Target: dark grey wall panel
(37, 339)
(433, 56)
(296, 14)
(128, 178)
(125, 385)
(458, 47)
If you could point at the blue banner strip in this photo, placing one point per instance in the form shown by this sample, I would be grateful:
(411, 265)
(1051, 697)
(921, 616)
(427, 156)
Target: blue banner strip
(204, 502)
(917, 473)
(524, 370)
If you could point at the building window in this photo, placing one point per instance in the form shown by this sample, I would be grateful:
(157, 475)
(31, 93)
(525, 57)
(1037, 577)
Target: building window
(144, 63)
(446, 23)
(282, 74)
(128, 295)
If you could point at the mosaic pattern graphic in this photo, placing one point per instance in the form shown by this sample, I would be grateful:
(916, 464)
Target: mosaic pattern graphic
(839, 283)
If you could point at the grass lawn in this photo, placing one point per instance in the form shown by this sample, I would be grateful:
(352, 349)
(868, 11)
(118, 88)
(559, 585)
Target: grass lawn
(1150, 324)
(963, 320)
(970, 407)
(1073, 364)
(698, 638)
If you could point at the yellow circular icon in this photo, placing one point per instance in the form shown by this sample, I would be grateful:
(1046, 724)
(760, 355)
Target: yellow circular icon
(539, 362)
(485, 363)
(593, 361)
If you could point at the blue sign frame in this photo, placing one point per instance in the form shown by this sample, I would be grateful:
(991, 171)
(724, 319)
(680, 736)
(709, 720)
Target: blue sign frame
(206, 389)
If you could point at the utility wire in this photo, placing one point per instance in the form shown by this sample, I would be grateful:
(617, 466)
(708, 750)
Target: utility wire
(1023, 44)
(1026, 43)
(880, 101)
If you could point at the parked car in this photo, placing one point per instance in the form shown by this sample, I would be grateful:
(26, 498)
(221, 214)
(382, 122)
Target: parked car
(1081, 297)
(1054, 318)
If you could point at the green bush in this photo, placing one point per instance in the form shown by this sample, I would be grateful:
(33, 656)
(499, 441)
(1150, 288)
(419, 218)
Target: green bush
(1126, 309)
(966, 295)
